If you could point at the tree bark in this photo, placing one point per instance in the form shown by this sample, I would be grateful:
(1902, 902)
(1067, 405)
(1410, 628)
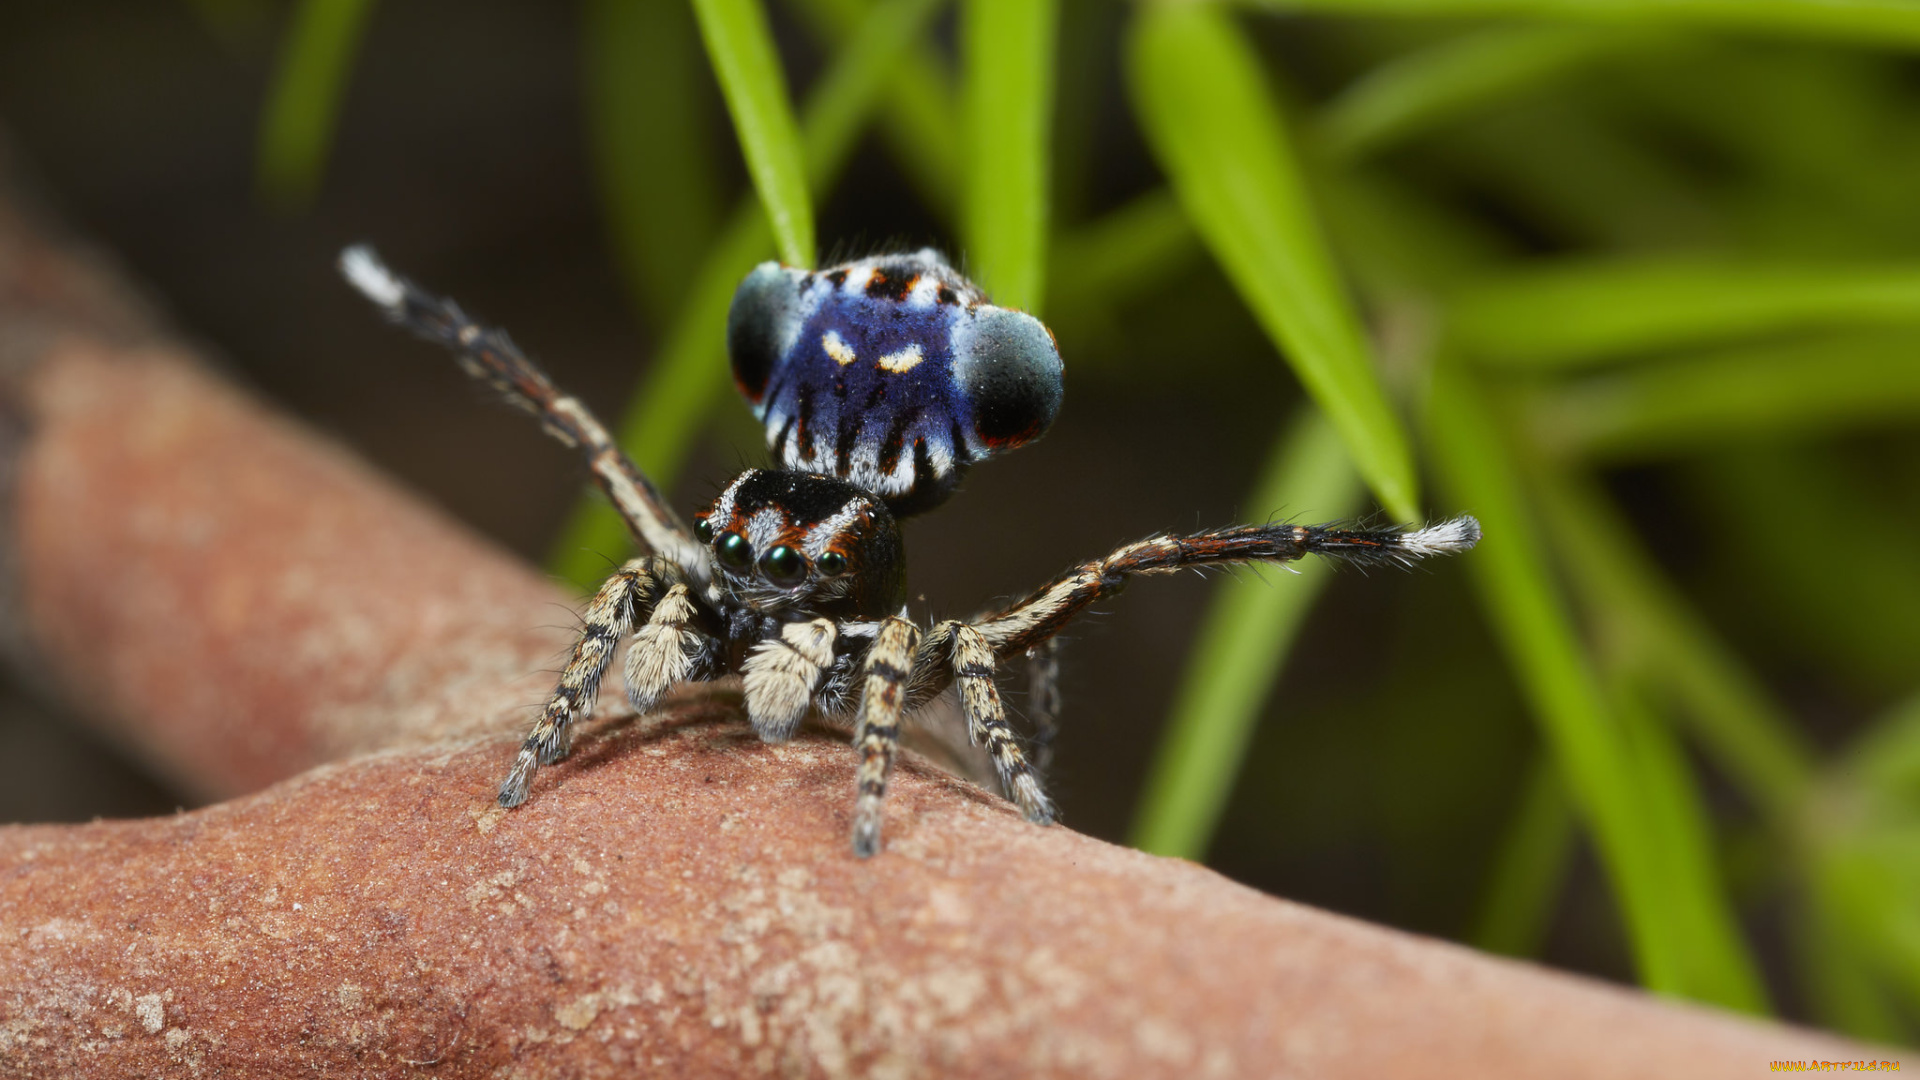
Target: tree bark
(247, 605)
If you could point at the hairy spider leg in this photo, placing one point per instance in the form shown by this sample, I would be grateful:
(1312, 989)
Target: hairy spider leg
(1044, 612)
(490, 355)
(1043, 700)
(607, 618)
(876, 732)
(973, 664)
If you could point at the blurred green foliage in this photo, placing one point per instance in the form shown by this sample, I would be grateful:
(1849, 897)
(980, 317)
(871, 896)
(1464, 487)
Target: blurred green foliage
(1521, 243)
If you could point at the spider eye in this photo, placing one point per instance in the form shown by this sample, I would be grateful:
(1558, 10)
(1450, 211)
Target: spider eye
(832, 563)
(783, 565)
(703, 531)
(735, 551)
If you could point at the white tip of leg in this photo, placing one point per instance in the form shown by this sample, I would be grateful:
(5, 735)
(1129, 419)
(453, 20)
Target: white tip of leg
(866, 829)
(364, 270)
(1032, 801)
(1445, 538)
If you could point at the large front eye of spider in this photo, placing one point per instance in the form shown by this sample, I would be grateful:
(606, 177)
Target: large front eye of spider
(783, 566)
(735, 551)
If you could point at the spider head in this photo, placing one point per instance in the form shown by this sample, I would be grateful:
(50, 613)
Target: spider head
(793, 540)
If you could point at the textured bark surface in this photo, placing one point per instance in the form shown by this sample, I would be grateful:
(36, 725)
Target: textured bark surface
(244, 603)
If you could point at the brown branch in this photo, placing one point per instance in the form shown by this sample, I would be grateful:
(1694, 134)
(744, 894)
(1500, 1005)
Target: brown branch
(243, 602)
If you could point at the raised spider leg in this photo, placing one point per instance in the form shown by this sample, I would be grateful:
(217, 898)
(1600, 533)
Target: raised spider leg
(876, 734)
(605, 621)
(489, 355)
(1043, 613)
(781, 674)
(1043, 700)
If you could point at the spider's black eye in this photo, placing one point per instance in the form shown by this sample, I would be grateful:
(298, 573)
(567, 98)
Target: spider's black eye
(783, 565)
(832, 563)
(702, 531)
(735, 551)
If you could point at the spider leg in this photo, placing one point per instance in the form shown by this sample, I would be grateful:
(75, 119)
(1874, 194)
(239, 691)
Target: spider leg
(781, 674)
(490, 356)
(1043, 613)
(668, 650)
(973, 663)
(606, 620)
(1043, 699)
(876, 733)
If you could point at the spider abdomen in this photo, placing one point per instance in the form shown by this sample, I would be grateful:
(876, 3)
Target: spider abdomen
(892, 373)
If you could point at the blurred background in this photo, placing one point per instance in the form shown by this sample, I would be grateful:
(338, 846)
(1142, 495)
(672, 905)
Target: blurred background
(1641, 291)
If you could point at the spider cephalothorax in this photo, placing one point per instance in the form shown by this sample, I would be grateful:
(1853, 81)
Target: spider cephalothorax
(792, 541)
(880, 383)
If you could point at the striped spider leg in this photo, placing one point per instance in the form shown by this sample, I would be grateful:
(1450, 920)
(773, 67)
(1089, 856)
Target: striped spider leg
(970, 654)
(651, 597)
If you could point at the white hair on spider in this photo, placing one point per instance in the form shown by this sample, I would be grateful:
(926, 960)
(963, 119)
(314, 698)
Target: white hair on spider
(1445, 538)
(365, 271)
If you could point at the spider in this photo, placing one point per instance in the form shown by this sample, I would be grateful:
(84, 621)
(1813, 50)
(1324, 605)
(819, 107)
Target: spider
(880, 383)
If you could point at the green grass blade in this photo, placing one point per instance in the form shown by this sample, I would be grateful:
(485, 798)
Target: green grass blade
(1891, 24)
(303, 105)
(1856, 618)
(1644, 620)
(1108, 262)
(1581, 313)
(1522, 602)
(1242, 646)
(1798, 387)
(1007, 52)
(1843, 993)
(643, 79)
(863, 78)
(688, 378)
(1720, 967)
(1215, 129)
(918, 116)
(1530, 868)
(740, 47)
(1426, 89)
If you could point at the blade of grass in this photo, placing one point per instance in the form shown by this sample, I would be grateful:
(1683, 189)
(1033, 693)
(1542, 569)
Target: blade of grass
(1523, 604)
(918, 116)
(642, 81)
(688, 378)
(1720, 967)
(1574, 173)
(1798, 387)
(1892, 24)
(1656, 633)
(1215, 129)
(1106, 263)
(740, 47)
(1840, 985)
(1586, 312)
(1250, 626)
(303, 105)
(1425, 89)
(1858, 617)
(1007, 64)
(1530, 868)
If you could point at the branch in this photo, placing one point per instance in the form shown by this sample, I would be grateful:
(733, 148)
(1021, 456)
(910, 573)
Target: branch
(244, 603)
